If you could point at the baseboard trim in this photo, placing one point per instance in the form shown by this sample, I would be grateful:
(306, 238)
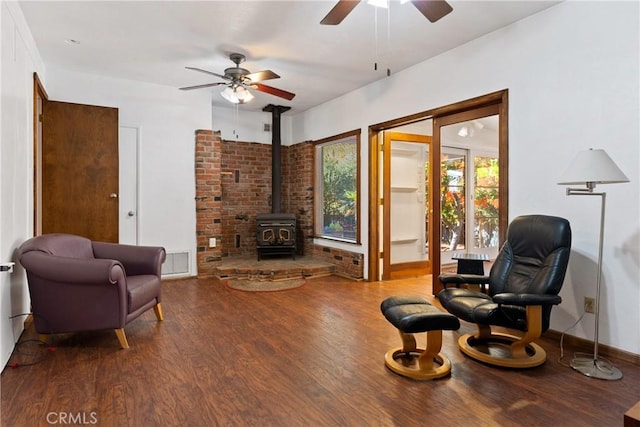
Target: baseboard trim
(587, 346)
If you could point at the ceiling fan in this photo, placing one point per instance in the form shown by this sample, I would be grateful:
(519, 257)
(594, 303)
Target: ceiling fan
(433, 10)
(240, 80)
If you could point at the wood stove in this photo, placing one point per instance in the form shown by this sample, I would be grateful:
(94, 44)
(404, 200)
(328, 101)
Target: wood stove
(276, 234)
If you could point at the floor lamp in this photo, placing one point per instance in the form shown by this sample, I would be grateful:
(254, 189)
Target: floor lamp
(591, 167)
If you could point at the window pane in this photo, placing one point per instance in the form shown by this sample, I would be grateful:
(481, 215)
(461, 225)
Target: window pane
(486, 202)
(339, 190)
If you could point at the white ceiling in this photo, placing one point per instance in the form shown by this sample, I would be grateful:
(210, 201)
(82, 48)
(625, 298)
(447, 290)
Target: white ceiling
(153, 41)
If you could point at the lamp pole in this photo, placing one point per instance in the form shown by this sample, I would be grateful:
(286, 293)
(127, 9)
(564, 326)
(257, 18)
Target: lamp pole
(595, 367)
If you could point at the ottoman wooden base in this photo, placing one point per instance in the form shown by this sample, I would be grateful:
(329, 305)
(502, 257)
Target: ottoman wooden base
(413, 314)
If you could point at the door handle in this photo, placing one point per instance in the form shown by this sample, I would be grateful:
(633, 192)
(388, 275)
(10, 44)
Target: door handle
(131, 213)
(113, 195)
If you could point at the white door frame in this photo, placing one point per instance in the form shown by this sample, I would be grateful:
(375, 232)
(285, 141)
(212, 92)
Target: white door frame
(129, 156)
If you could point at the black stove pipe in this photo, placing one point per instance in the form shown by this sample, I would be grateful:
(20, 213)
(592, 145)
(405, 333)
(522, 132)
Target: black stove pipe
(276, 155)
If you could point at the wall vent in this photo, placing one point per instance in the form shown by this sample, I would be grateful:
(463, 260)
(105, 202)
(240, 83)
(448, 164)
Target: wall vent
(266, 127)
(176, 263)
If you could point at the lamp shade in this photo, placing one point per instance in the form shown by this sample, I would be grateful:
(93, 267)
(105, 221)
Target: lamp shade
(592, 166)
(230, 95)
(243, 95)
(237, 94)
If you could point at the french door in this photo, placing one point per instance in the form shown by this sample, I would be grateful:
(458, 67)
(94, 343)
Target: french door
(405, 205)
(480, 189)
(473, 174)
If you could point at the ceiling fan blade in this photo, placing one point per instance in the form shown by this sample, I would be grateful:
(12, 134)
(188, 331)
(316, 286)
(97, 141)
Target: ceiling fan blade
(339, 12)
(273, 91)
(262, 75)
(433, 10)
(201, 86)
(208, 72)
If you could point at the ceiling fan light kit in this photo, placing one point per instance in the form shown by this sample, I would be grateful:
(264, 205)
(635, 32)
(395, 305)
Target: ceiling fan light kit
(237, 95)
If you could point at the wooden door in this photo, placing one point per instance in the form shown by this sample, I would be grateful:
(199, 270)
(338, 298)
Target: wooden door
(405, 206)
(80, 170)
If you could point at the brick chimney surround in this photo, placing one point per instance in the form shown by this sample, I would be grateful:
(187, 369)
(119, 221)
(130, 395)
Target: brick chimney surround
(233, 185)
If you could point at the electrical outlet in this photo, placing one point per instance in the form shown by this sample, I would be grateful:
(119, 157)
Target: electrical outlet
(589, 305)
(7, 266)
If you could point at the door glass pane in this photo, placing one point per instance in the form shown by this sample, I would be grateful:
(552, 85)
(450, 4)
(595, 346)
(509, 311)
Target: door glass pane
(486, 202)
(452, 203)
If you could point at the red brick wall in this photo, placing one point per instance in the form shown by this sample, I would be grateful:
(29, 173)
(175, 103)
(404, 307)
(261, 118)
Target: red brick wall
(246, 191)
(233, 185)
(347, 263)
(297, 167)
(208, 198)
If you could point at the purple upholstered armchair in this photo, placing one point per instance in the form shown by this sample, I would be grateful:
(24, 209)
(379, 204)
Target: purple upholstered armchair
(79, 285)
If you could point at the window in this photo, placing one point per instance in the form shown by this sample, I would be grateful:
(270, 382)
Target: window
(336, 187)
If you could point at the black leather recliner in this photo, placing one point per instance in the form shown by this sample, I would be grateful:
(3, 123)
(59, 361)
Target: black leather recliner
(523, 285)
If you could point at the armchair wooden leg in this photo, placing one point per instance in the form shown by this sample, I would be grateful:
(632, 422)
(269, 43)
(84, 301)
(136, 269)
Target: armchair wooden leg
(158, 310)
(122, 337)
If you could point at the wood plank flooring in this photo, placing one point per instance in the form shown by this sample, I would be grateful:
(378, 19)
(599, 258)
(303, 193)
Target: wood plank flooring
(311, 356)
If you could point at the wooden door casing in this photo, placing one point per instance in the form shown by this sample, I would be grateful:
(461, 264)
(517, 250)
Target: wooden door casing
(375, 135)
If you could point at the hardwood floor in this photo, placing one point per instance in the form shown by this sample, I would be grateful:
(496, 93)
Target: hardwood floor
(311, 356)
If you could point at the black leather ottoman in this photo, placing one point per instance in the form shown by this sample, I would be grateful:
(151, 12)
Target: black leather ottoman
(413, 314)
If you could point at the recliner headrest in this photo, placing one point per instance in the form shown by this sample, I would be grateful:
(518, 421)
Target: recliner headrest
(537, 236)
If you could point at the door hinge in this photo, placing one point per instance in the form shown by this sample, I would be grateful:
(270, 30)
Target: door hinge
(381, 255)
(40, 117)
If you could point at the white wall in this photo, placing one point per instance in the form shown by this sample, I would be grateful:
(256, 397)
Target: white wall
(19, 59)
(167, 119)
(572, 74)
(239, 125)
